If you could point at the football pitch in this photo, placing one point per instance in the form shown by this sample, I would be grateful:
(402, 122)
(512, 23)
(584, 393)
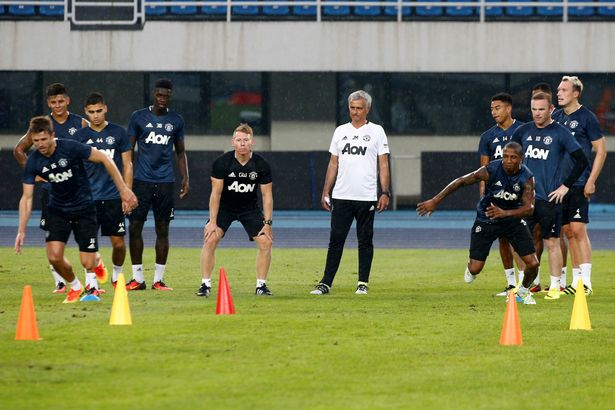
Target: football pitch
(421, 339)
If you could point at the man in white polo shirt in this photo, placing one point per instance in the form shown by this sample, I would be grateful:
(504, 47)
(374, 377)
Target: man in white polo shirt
(359, 155)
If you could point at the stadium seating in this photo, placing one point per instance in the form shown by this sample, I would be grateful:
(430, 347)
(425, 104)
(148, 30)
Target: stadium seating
(575, 11)
(1, 10)
(550, 11)
(155, 10)
(461, 11)
(607, 8)
(304, 11)
(336, 11)
(392, 10)
(245, 11)
(52, 11)
(276, 11)
(519, 11)
(429, 11)
(213, 11)
(183, 10)
(21, 10)
(367, 11)
(492, 11)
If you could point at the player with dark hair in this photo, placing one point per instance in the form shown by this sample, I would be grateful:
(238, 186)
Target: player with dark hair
(155, 130)
(359, 157)
(490, 148)
(234, 178)
(65, 124)
(545, 145)
(542, 87)
(111, 140)
(508, 197)
(575, 216)
(71, 207)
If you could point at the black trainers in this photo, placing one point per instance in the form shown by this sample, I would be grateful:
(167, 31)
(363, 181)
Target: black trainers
(204, 290)
(321, 289)
(263, 290)
(505, 291)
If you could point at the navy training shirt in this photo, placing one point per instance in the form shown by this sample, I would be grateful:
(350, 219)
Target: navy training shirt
(69, 187)
(503, 190)
(240, 181)
(493, 140)
(544, 152)
(111, 141)
(68, 128)
(155, 137)
(584, 125)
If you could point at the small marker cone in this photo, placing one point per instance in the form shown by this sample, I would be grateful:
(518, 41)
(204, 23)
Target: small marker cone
(225, 299)
(120, 311)
(580, 313)
(511, 328)
(27, 328)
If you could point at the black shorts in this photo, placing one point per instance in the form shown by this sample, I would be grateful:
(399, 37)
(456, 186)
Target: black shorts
(483, 235)
(82, 223)
(575, 206)
(159, 197)
(548, 215)
(110, 217)
(251, 220)
(44, 214)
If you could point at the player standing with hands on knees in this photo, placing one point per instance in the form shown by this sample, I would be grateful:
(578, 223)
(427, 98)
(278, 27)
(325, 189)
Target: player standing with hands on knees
(71, 206)
(359, 157)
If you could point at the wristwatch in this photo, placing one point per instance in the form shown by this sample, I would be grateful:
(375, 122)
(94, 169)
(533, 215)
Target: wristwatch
(268, 222)
(387, 193)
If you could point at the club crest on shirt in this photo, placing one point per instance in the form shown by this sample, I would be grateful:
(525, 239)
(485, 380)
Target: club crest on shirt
(547, 140)
(63, 162)
(72, 130)
(574, 124)
(168, 127)
(252, 175)
(366, 138)
(110, 140)
(516, 187)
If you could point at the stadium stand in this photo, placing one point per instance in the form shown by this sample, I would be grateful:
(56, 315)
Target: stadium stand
(52, 11)
(151, 10)
(22, 10)
(336, 11)
(429, 11)
(184, 10)
(367, 11)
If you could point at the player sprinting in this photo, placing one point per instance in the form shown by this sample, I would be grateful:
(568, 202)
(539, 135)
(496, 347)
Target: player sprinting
(491, 147)
(545, 146)
(585, 127)
(71, 207)
(65, 124)
(111, 140)
(234, 180)
(508, 197)
(155, 131)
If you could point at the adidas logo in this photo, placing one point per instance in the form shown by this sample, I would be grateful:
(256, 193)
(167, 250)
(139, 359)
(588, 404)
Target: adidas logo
(90, 141)
(45, 169)
(91, 246)
(149, 125)
(529, 138)
(498, 183)
(121, 229)
(345, 138)
(232, 175)
(496, 140)
(577, 215)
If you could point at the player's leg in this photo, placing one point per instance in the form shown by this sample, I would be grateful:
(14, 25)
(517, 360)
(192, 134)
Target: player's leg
(164, 212)
(86, 235)
(118, 255)
(341, 220)
(208, 252)
(60, 286)
(113, 224)
(576, 218)
(252, 222)
(144, 193)
(506, 254)
(481, 239)
(563, 244)
(522, 242)
(364, 214)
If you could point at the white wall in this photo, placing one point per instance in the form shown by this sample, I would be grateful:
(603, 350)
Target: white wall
(312, 46)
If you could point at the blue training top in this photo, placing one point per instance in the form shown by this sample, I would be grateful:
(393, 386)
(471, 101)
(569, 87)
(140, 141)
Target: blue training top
(111, 141)
(503, 190)
(585, 127)
(155, 137)
(544, 152)
(493, 140)
(64, 169)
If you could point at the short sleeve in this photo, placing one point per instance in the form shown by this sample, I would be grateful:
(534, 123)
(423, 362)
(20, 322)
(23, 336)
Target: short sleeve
(133, 126)
(264, 172)
(333, 148)
(218, 170)
(124, 143)
(483, 146)
(593, 128)
(383, 143)
(29, 173)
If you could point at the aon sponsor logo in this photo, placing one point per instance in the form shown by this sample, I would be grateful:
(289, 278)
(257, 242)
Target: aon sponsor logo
(536, 153)
(237, 187)
(507, 196)
(154, 138)
(108, 152)
(352, 150)
(60, 176)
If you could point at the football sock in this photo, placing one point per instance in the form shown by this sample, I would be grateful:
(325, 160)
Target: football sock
(554, 283)
(562, 278)
(116, 271)
(56, 275)
(521, 275)
(206, 281)
(75, 284)
(576, 274)
(586, 272)
(260, 282)
(537, 280)
(510, 276)
(137, 273)
(90, 280)
(158, 272)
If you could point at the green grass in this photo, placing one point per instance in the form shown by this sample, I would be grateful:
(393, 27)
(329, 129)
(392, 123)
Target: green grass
(420, 339)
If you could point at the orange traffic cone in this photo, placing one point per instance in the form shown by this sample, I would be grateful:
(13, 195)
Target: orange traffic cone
(26, 323)
(511, 329)
(225, 299)
(580, 313)
(120, 310)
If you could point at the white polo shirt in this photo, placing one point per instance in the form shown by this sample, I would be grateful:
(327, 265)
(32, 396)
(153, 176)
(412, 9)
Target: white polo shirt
(357, 150)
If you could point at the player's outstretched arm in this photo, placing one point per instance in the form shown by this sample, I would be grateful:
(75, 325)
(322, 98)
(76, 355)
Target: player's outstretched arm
(182, 161)
(211, 228)
(385, 178)
(267, 195)
(429, 206)
(25, 210)
(129, 200)
(330, 176)
(21, 149)
(484, 161)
